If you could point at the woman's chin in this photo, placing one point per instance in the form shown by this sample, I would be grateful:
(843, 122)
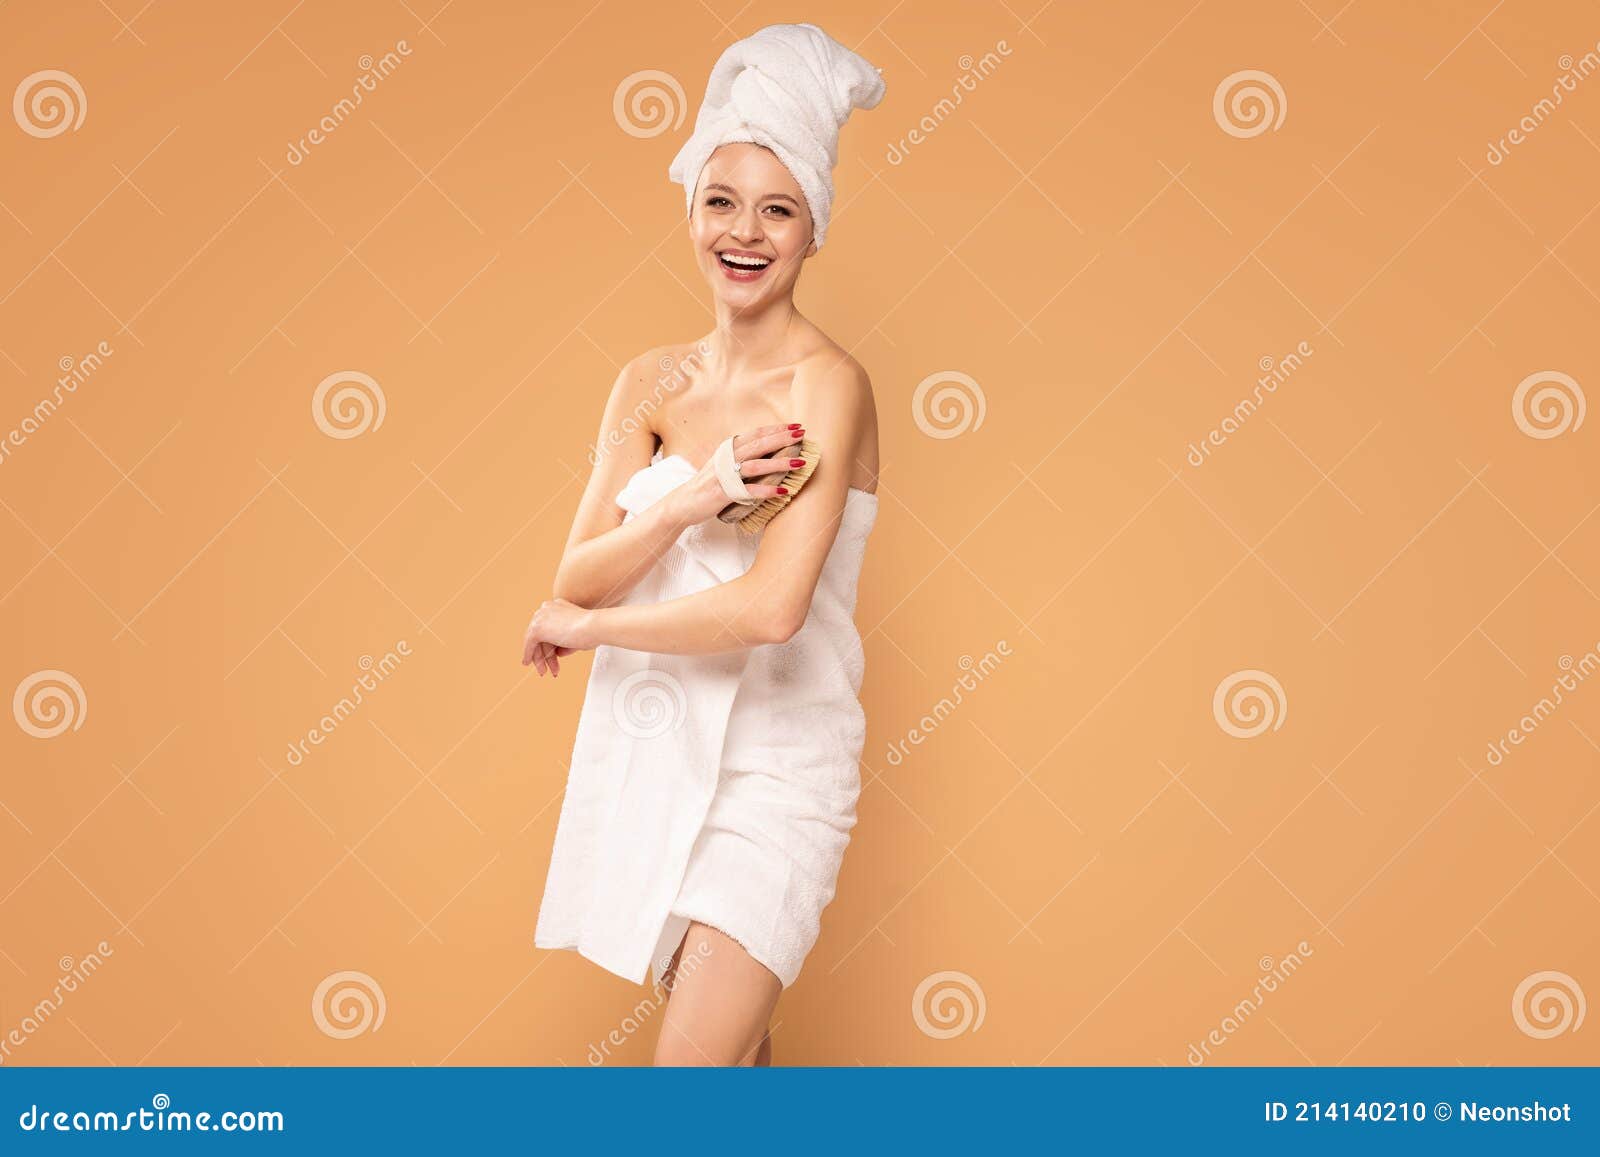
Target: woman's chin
(733, 293)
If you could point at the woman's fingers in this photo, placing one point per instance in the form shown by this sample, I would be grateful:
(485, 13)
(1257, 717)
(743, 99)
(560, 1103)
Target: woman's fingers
(756, 467)
(767, 441)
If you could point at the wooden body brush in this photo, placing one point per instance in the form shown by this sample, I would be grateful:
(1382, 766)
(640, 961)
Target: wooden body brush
(750, 514)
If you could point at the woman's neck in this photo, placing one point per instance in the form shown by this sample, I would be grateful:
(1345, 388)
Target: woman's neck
(746, 341)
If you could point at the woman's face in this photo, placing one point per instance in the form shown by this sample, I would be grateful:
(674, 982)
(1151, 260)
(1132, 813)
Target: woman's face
(750, 226)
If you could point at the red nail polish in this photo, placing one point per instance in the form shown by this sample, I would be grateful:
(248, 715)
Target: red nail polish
(794, 425)
(783, 490)
(797, 461)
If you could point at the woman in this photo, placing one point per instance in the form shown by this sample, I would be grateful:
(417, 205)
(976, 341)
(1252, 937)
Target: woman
(716, 767)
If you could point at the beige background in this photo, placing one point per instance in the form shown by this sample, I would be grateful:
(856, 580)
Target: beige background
(1081, 837)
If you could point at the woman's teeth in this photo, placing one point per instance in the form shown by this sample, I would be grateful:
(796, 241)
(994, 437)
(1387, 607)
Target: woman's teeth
(734, 261)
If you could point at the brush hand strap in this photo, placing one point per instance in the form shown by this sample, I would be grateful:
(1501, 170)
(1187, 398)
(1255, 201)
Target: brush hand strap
(727, 470)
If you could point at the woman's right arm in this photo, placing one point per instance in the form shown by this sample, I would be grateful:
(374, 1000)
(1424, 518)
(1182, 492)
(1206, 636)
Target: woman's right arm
(605, 556)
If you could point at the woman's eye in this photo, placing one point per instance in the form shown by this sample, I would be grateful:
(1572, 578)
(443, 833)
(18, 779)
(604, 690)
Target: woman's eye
(781, 209)
(719, 201)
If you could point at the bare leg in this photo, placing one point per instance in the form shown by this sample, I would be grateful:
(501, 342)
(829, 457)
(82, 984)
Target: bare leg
(720, 1004)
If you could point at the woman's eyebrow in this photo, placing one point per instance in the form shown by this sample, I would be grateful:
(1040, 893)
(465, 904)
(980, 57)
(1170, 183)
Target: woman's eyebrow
(735, 192)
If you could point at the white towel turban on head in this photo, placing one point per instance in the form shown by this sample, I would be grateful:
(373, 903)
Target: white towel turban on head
(788, 87)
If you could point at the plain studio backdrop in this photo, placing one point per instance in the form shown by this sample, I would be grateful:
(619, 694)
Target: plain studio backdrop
(1236, 524)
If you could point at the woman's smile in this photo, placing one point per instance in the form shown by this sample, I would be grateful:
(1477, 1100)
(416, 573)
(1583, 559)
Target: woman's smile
(743, 264)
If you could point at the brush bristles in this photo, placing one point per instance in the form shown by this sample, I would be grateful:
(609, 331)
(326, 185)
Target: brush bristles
(763, 513)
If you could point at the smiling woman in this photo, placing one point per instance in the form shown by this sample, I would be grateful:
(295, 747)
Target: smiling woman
(715, 773)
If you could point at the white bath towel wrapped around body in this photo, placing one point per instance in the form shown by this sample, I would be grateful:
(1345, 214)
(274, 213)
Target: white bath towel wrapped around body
(718, 788)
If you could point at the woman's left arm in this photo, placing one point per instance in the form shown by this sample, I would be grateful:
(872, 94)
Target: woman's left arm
(770, 601)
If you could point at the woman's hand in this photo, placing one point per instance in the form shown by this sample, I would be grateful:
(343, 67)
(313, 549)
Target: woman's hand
(765, 450)
(558, 628)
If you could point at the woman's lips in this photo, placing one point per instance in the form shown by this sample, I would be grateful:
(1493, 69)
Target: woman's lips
(741, 273)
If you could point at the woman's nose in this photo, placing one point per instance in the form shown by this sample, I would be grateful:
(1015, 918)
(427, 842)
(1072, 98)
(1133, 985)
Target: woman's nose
(748, 226)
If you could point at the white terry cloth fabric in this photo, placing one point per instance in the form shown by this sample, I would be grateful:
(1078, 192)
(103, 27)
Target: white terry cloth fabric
(719, 788)
(789, 87)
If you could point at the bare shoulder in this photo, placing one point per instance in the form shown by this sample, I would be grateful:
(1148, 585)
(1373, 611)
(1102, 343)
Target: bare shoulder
(657, 367)
(833, 395)
(831, 376)
(650, 378)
